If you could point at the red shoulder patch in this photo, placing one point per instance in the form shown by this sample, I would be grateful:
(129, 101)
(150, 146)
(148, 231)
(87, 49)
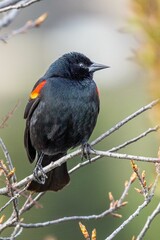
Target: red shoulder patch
(35, 93)
(97, 90)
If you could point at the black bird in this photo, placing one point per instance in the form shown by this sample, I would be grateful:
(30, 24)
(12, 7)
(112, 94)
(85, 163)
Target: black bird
(61, 114)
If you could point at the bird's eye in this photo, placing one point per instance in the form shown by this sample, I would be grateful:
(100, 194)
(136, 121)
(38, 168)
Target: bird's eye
(81, 65)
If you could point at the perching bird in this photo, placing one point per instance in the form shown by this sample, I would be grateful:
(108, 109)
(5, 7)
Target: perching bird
(61, 114)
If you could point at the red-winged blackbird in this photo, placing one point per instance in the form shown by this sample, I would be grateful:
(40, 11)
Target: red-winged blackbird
(60, 114)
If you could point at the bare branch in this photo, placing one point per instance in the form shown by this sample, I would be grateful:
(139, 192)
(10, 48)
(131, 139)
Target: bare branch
(141, 179)
(15, 197)
(148, 222)
(125, 156)
(8, 159)
(136, 213)
(152, 216)
(126, 189)
(11, 178)
(8, 18)
(124, 121)
(59, 162)
(29, 25)
(9, 115)
(30, 202)
(82, 164)
(101, 153)
(14, 191)
(15, 236)
(20, 4)
(118, 204)
(66, 219)
(125, 144)
(17, 231)
(6, 3)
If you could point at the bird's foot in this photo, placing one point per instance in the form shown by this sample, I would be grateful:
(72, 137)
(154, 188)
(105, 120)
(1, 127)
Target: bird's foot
(86, 149)
(40, 179)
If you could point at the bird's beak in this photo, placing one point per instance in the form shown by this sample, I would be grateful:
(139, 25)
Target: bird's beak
(96, 66)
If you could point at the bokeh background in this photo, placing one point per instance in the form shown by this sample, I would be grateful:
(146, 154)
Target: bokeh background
(95, 28)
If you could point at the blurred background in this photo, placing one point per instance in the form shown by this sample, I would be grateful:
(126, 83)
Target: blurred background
(95, 28)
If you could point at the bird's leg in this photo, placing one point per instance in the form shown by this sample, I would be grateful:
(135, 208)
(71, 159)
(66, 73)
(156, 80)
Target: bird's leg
(40, 179)
(86, 148)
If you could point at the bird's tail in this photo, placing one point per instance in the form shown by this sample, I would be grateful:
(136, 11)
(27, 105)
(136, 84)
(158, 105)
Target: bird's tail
(56, 178)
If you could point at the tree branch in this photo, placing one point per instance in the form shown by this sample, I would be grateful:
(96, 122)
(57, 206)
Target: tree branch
(18, 5)
(14, 187)
(28, 25)
(124, 121)
(113, 207)
(137, 212)
(6, 3)
(8, 18)
(148, 222)
(142, 135)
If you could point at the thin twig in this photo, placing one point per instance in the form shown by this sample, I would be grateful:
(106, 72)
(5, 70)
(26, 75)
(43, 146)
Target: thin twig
(114, 149)
(71, 218)
(20, 4)
(10, 189)
(125, 156)
(141, 179)
(125, 192)
(28, 25)
(8, 160)
(9, 115)
(144, 134)
(12, 198)
(124, 121)
(101, 153)
(131, 217)
(6, 3)
(136, 213)
(114, 207)
(17, 231)
(8, 18)
(10, 180)
(149, 220)
(62, 160)
(66, 219)
(13, 188)
(30, 203)
(16, 235)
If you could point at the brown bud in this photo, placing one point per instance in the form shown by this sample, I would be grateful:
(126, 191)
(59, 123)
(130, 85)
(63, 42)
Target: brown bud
(144, 183)
(41, 19)
(116, 215)
(143, 174)
(94, 234)
(124, 203)
(133, 177)
(111, 198)
(2, 219)
(138, 190)
(84, 230)
(150, 185)
(11, 173)
(126, 183)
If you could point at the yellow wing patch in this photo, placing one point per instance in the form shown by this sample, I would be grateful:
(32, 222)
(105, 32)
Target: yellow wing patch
(35, 93)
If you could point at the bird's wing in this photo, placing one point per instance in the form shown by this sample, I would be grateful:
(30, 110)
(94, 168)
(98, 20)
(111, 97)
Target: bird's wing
(30, 107)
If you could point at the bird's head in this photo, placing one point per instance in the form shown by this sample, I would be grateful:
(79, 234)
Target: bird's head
(74, 66)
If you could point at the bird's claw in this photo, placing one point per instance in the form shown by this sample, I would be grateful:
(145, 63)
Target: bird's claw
(86, 148)
(40, 179)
